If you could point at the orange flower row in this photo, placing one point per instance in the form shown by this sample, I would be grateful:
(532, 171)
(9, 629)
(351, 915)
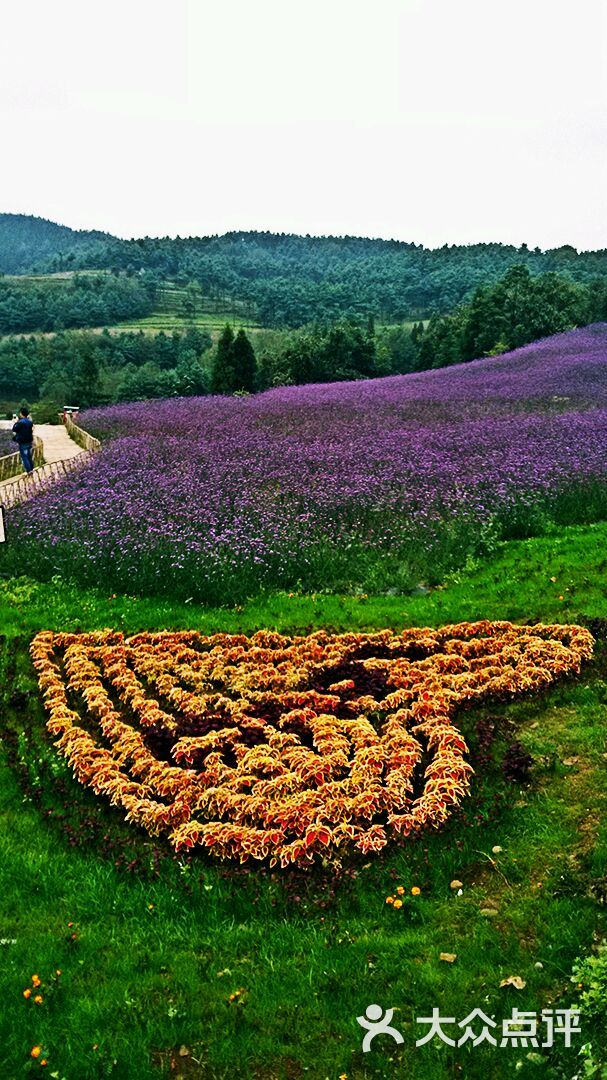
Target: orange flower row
(285, 747)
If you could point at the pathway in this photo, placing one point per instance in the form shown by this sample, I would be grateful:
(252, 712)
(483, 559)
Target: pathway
(59, 452)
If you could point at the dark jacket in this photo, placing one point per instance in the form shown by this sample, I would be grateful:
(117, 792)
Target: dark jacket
(24, 431)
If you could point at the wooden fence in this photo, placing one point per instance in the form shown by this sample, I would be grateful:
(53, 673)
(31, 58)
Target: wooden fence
(81, 437)
(28, 485)
(11, 464)
(32, 484)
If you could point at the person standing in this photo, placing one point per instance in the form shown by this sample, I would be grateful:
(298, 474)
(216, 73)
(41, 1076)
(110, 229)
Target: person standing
(23, 435)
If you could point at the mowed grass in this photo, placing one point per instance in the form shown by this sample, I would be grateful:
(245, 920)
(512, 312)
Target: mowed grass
(162, 943)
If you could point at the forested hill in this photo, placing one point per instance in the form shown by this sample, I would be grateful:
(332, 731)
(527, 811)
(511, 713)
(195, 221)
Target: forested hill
(293, 280)
(29, 244)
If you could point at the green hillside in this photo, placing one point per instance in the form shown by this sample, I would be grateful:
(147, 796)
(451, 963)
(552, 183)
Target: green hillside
(177, 307)
(30, 243)
(290, 280)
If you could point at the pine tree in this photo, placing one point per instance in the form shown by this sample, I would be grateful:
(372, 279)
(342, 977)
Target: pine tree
(86, 384)
(222, 374)
(245, 364)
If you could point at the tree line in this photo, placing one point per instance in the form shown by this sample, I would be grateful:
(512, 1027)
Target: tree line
(81, 300)
(292, 281)
(82, 368)
(514, 311)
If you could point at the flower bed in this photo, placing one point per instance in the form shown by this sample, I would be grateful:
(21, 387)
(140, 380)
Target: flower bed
(283, 748)
(375, 485)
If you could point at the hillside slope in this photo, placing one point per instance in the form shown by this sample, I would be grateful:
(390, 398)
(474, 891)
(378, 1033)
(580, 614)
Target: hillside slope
(291, 280)
(30, 243)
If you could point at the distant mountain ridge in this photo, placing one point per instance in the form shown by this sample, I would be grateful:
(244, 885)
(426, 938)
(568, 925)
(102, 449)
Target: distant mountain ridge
(291, 280)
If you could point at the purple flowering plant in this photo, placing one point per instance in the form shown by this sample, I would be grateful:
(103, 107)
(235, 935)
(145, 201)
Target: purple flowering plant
(372, 485)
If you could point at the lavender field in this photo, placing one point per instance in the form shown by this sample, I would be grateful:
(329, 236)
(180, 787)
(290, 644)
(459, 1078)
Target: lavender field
(7, 446)
(375, 485)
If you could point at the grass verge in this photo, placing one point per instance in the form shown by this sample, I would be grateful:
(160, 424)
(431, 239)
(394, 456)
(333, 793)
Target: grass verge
(262, 975)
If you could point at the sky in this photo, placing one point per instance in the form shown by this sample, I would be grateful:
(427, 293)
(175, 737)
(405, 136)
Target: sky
(431, 121)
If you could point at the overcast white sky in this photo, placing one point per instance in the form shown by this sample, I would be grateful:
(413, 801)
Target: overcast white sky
(435, 121)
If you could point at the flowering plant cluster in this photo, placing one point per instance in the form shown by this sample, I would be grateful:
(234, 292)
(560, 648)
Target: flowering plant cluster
(285, 747)
(380, 483)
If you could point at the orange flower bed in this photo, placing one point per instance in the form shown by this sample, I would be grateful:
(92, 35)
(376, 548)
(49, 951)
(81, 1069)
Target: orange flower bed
(285, 747)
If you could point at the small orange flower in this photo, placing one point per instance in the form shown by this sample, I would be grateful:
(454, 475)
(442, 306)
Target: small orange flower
(389, 899)
(415, 891)
(398, 903)
(35, 1051)
(44, 1061)
(27, 993)
(35, 980)
(400, 890)
(38, 999)
(58, 971)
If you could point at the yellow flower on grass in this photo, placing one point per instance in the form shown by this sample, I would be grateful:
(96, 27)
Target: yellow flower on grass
(400, 890)
(38, 999)
(415, 891)
(35, 1051)
(35, 980)
(27, 993)
(398, 903)
(389, 899)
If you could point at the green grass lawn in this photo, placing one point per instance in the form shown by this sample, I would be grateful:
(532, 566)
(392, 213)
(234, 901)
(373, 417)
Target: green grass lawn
(158, 945)
(169, 322)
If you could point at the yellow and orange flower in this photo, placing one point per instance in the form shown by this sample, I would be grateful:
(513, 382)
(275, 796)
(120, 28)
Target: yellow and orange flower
(282, 748)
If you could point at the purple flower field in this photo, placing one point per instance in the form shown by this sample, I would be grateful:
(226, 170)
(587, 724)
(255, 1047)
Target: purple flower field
(7, 446)
(372, 485)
